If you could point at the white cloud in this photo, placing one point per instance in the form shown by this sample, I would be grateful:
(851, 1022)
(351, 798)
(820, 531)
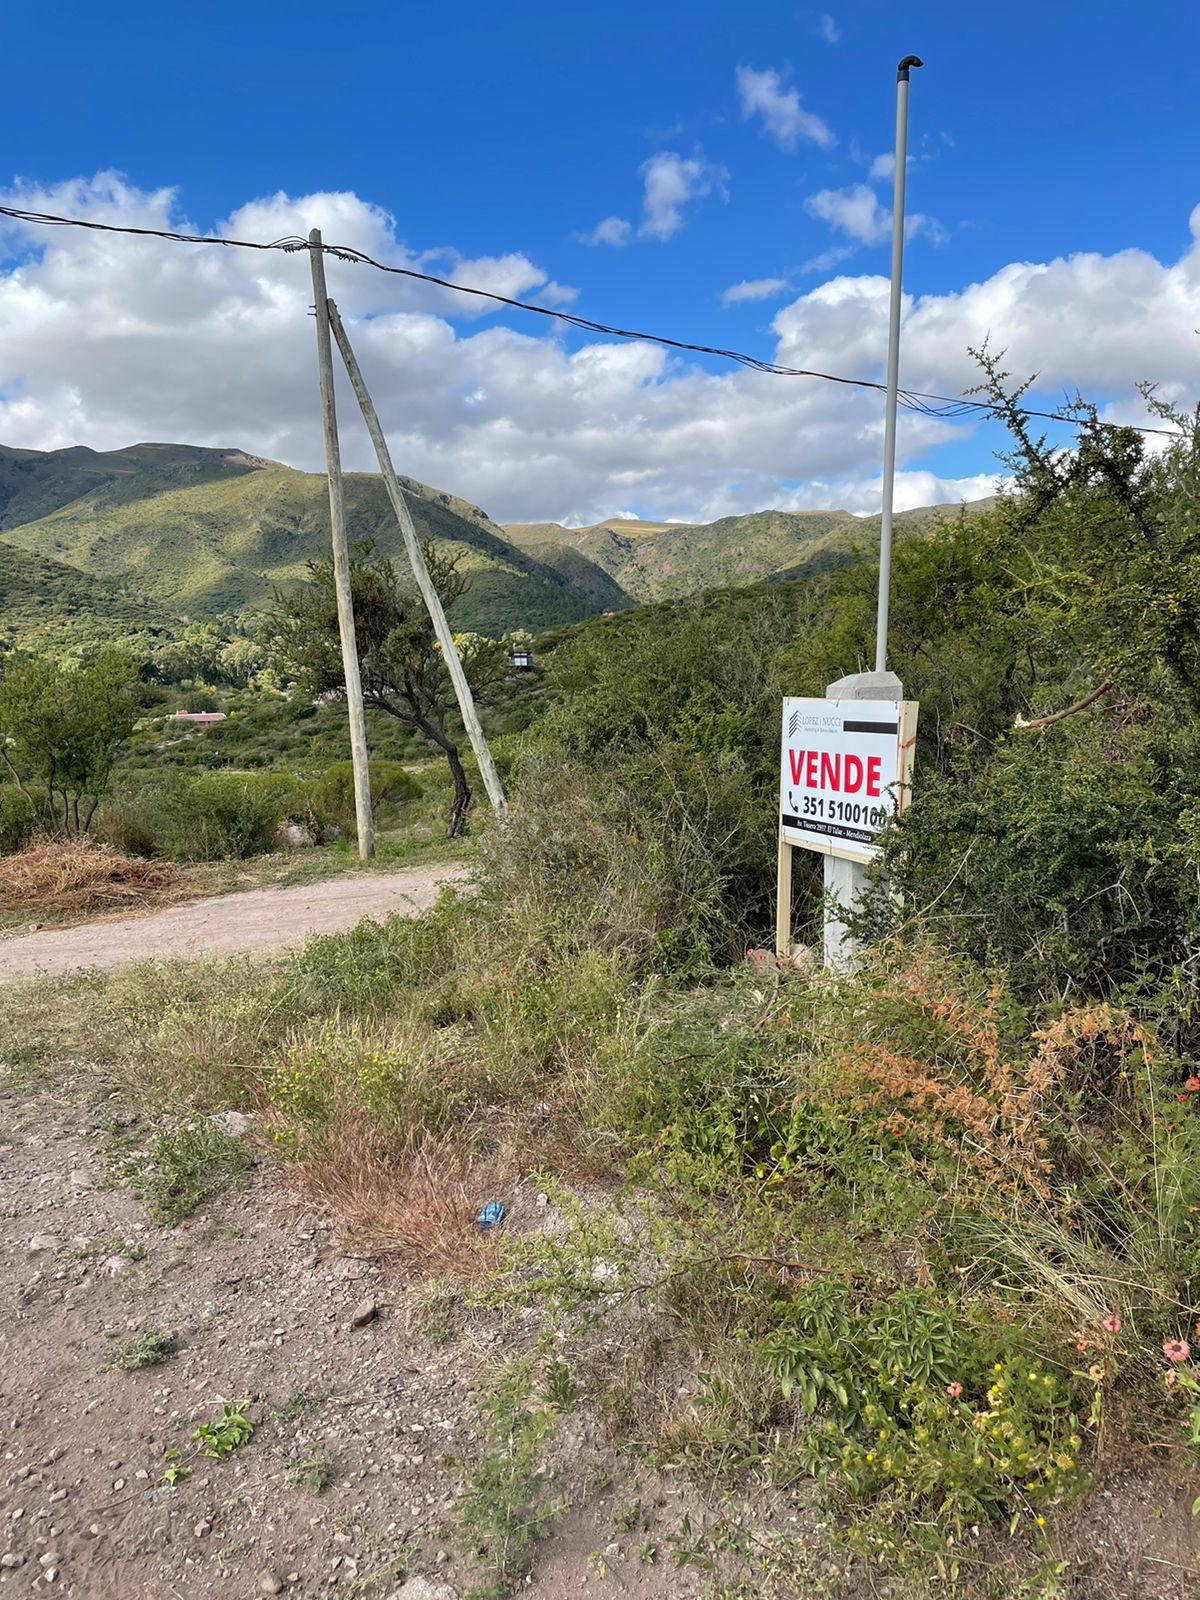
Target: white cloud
(671, 181)
(107, 340)
(828, 29)
(883, 167)
(827, 260)
(856, 210)
(610, 230)
(753, 289)
(785, 119)
(512, 275)
(912, 489)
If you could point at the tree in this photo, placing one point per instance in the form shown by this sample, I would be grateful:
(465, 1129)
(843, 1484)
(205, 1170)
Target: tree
(60, 730)
(1115, 531)
(403, 673)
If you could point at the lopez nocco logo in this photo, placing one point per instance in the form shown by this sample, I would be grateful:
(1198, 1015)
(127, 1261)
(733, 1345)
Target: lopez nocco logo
(839, 773)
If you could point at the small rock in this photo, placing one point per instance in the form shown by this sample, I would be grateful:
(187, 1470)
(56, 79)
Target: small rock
(43, 1244)
(235, 1123)
(59, 1494)
(418, 1588)
(80, 1179)
(11, 1559)
(202, 1529)
(270, 1584)
(365, 1311)
(49, 1558)
(50, 1574)
(114, 1266)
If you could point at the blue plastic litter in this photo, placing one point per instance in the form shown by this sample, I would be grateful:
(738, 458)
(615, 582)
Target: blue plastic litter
(491, 1214)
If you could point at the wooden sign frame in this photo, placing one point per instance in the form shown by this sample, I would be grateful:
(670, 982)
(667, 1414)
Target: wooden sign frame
(907, 711)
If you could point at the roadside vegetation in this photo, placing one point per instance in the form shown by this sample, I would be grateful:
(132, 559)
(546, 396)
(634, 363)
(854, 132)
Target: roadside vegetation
(922, 1241)
(107, 798)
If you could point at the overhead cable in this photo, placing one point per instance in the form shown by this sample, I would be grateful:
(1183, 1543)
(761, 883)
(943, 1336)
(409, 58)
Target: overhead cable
(939, 406)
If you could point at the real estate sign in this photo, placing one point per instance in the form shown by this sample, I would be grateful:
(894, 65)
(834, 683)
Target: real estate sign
(844, 771)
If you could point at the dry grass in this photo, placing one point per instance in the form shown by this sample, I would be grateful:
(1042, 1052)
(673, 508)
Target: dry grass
(416, 1207)
(75, 875)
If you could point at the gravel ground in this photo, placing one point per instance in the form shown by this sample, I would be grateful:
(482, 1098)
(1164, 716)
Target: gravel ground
(268, 1309)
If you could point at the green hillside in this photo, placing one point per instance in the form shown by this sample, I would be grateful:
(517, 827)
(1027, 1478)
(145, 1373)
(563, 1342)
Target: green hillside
(205, 532)
(651, 561)
(151, 536)
(648, 561)
(50, 607)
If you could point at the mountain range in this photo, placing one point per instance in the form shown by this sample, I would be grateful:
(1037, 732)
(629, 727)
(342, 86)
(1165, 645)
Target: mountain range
(649, 561)
(137, 540)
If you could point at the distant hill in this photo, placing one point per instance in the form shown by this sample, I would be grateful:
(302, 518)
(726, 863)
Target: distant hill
(50, 607)
(649, 561)
(204, 532)
(123, 542)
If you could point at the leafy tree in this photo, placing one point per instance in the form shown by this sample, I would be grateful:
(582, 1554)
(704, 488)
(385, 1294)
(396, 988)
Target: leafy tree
(1110, 532)
(400, 660)
(61, 729)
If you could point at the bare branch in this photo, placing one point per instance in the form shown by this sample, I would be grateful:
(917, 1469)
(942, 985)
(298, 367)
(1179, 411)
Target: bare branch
(1067, 711)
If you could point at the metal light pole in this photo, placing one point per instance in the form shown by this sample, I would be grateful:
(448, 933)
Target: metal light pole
(893, 365)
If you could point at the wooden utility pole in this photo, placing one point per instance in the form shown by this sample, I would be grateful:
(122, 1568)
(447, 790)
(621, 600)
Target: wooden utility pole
(412, 544)
(341, 558)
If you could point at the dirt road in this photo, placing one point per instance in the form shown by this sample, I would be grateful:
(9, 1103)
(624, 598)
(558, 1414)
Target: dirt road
(259, 919)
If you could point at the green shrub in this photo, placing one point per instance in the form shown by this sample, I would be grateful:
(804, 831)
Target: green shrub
(184, 1166)
(224, 815)
(149, 1348)
(132, 821)
(209, 816)
(16, 818)
(660, 859)
(391, 787)
(1068, 857)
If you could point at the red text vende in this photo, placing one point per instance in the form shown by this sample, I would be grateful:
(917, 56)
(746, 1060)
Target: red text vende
(844, 774)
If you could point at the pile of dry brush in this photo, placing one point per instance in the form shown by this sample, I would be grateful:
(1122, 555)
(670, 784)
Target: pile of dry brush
(76, 875)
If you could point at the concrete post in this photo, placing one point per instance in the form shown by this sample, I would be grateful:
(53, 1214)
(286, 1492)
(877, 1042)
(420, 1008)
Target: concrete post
(846, 880)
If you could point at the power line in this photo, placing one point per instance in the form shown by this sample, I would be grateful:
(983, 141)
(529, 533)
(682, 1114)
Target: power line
(942, 407)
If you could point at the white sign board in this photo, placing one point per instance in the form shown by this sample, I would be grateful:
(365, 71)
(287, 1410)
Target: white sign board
(844, 772)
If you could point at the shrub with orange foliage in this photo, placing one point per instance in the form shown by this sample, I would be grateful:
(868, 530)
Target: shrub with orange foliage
(965, 1095)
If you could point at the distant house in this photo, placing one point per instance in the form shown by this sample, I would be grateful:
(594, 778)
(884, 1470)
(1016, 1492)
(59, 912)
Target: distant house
(203, 718)
(521, 659)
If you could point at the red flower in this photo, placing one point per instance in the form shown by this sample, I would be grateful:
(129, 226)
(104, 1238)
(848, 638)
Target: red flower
(954, 1390)
(1113, 1325)
(1193, 1084)
(1177, 1349)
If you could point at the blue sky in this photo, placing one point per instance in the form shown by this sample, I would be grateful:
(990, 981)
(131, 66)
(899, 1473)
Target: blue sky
(723, 144)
